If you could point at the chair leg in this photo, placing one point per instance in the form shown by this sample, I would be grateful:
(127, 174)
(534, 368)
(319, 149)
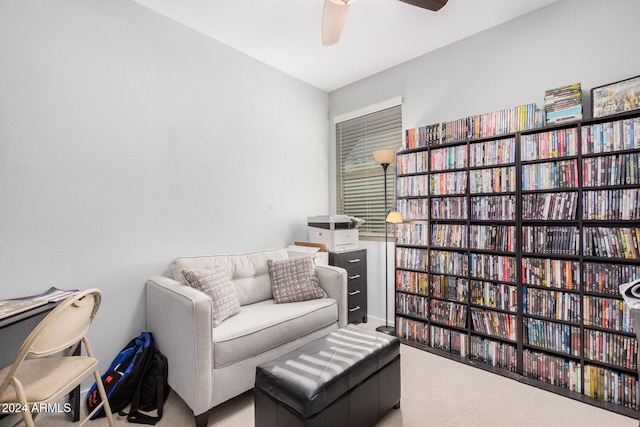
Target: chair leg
(22, 399)
(27, 418)
(103, 395)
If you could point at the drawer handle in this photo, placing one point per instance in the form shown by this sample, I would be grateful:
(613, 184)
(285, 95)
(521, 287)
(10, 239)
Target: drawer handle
(354, 277)
(351, 261)
(354, 293)
(356, 308)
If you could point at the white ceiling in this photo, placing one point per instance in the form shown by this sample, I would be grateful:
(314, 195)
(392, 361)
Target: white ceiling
(378, 34)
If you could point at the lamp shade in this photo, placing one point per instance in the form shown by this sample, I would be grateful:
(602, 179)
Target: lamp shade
(394, 217)
(384, 157)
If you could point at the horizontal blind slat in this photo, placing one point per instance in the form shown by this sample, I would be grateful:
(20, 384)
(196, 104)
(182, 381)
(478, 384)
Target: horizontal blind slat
(360, 179)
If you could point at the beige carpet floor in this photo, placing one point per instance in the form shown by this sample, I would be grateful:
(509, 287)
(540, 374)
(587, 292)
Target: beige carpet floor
(435, 392)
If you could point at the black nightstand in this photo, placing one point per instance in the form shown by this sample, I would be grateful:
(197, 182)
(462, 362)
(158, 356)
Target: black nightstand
(355, 262)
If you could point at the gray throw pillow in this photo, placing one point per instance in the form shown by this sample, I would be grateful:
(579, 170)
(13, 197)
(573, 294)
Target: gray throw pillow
(294, 280)
(215, 283)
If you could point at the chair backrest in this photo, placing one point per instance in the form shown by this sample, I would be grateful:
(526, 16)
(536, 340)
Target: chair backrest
(65, 326)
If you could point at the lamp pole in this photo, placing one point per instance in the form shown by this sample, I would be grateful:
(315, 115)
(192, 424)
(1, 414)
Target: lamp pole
(386, 328)
(384, 158)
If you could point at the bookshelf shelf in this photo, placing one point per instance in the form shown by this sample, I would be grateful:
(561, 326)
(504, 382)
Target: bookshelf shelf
(514, 246)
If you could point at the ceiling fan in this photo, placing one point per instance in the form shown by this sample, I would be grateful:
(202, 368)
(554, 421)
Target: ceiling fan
(335, 15)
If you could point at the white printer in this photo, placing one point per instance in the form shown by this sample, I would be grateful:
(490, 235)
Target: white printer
(337, 232)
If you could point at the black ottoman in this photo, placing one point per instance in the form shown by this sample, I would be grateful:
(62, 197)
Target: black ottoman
(351, 377)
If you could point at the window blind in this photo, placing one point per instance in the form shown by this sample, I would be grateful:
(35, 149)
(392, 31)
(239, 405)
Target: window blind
(360, 180)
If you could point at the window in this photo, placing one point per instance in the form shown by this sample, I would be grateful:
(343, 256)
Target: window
(360, 180)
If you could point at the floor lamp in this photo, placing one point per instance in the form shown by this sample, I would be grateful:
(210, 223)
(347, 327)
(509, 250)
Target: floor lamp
(384, 158)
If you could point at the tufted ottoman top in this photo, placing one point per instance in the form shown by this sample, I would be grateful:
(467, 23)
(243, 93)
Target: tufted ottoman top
(312, 377)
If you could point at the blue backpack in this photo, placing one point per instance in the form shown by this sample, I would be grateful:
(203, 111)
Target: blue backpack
(124, 374)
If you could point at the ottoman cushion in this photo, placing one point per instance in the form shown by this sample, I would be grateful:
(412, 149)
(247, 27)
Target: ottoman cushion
(309, 379)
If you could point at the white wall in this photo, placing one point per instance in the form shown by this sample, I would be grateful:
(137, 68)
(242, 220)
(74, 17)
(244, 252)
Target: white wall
(127, 139)
(588, 41)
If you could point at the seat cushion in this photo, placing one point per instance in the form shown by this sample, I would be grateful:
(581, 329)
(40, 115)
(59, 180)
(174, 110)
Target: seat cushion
(312, 377)
(45, 378)
(266, 325)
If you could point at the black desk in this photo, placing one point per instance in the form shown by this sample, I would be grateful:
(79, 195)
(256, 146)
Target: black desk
(17, 318)
(15, 329)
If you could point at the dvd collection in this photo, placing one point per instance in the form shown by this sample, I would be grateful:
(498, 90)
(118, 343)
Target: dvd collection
(494, 323)
(551, 304)
(413, 233)
(449, 208)
(555, 370)
(409, 186)
(500, 238)
(448, 340)
(412, 330)
(449, 235)
(607, 313)
(413, 258)
(608, 205)
(448, 262)
(478, 126)
(499, 208)
(606, 278)
(492, 267)
(493, 353)
(619, 169)
(611, 386)
(610, 136)
(550, 239)
(494, 180)
(412, 163)
(567, 196)
(550, 175)
(448, 287)
(448, 183)
(551, 273)
(453, 157)
(411, 281)
(550, 144)
(563, 104)
(611, 242)
(612, 349)
(558, 337)
(550, 206)
(413, 209)
(413, 305)
(493, 152)
(494, 295)
(448, 313)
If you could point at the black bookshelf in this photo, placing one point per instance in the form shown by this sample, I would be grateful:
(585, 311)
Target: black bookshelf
(522, 280)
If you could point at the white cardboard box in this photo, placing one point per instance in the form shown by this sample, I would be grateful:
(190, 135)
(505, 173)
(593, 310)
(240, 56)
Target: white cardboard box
(320, 258)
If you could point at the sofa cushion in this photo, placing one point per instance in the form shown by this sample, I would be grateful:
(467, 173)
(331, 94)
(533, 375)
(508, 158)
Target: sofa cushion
(294, 280)
(214, 282)
(248, 272)
(265, 325)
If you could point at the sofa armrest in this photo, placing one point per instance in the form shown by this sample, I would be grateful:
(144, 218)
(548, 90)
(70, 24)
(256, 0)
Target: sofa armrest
(179, 317)
(334, 282)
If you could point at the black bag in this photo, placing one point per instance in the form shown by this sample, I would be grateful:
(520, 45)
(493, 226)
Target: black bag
(138, 375)
(152, 391)
(123, 375)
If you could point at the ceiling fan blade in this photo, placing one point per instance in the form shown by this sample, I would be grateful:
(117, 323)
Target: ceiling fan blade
(433, 5)
(333, 20)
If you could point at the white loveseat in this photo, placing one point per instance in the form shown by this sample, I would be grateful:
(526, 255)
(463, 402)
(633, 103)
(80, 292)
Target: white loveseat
(208, 365)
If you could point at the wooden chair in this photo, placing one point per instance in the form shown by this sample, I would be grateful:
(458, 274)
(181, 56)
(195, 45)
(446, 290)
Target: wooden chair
(43, 374)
